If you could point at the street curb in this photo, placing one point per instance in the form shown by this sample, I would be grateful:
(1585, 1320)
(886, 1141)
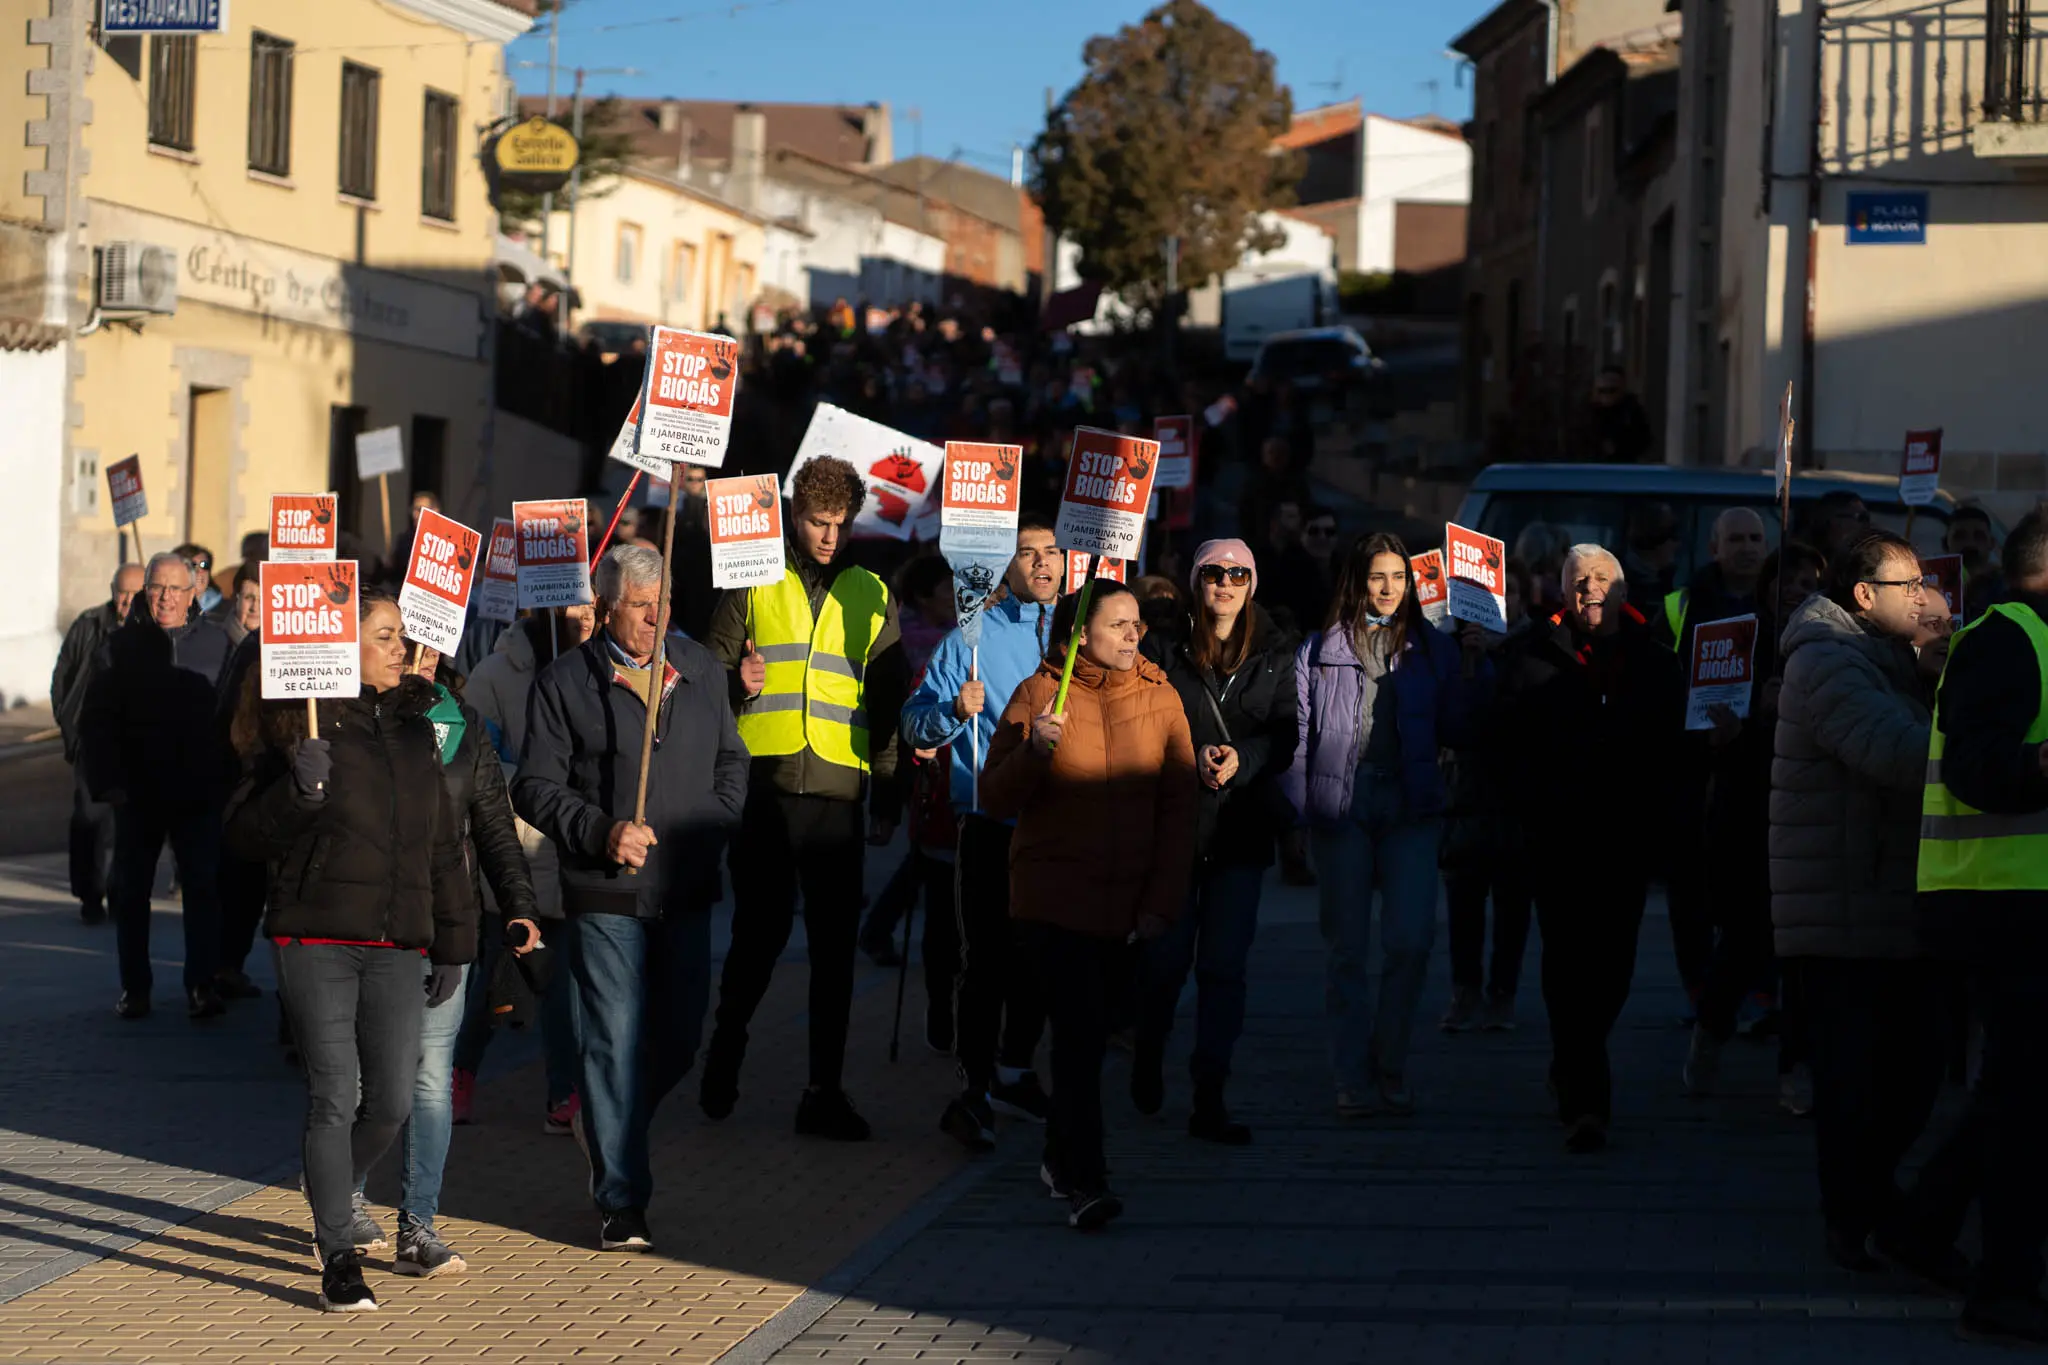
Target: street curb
(30, 748)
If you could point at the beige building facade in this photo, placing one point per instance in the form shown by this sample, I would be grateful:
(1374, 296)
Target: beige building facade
(651, 249)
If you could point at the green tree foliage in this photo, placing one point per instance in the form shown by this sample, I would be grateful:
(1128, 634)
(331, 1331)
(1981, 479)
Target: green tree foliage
(1169, 134)
(606, 149)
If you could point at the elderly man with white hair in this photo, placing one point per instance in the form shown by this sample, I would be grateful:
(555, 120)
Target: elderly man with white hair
(637, 896)
(1591, 710)
(150, 747)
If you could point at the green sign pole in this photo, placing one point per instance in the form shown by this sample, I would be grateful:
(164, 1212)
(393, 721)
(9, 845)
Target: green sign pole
(1059, 704)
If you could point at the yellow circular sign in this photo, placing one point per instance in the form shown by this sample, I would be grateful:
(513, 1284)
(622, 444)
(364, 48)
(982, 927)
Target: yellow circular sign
(537, 147)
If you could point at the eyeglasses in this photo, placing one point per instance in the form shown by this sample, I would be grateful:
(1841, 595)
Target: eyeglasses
(1237, 575)
(166, 590)
(1914, 587)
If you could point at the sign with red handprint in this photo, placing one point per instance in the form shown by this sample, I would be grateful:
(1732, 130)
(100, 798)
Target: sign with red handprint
(979, 499)
(552, 545)
(309, 630)
(304, 527)
(1476, 577)
(1108, 488)
(901, 473)
(438, 580)
(1427, 569)
(497, 596)
(686, 407)
(746, 531)
(1723, 670)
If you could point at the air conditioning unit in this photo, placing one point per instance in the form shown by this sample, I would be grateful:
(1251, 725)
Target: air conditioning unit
(136, 277)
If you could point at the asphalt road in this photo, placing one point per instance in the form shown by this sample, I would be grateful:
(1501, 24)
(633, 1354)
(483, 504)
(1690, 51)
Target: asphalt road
(35, 803)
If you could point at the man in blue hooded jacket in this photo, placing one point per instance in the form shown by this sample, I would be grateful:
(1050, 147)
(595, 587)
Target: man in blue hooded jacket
(999, 1016)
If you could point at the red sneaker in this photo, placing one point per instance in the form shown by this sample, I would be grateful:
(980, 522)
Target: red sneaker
(562, 1116)
(463, 1092)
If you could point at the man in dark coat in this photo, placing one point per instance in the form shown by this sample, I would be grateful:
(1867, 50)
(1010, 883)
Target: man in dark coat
(92, 822)
(151, 749)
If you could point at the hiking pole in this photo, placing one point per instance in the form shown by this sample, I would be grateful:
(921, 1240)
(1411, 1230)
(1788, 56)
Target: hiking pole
(902, 978)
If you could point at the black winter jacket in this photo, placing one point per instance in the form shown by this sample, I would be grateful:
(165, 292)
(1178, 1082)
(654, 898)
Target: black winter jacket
(146, 727)
(76, 661)
(1256, 706)
(477, 794)
(581, 765)
(379, 859)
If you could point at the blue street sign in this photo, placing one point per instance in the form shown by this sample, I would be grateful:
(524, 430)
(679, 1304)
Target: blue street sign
(163, 16)
(1888, 218)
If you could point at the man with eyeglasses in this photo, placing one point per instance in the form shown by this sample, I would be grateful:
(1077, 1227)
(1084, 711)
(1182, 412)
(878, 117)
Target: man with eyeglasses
(151, 749)
(1845, 811)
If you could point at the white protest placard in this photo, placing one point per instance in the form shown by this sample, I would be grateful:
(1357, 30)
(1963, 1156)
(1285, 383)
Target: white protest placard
(1176, 437)
(124, 488)
(309, 629)
(497, 597)
(1108, 486)
(746, 531)
(1723, 669)
(379, 452)
(1476, 577)
(1920, 469)
(438, 579)
(686, 412)
(304, 527)
(626, 445)
(553, 549)
(1427, 569)
(899, 471)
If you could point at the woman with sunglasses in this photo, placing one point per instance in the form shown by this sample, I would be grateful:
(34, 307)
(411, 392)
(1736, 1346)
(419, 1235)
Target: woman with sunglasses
(1377, 693)
(1235, 677)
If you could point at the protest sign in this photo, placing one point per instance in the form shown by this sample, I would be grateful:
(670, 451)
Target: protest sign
(686, 413)
(1109, 482)
(1944, 573)
(1176, 437)
(304, 527)
(124, 487)
(1078, 562)
(378, 453)
(1115, 570)
(553, 550)
(1427, 569)
(438, 579)
(309, 625)
(1920, 470)
(1723, 669)
(497, 597)
(1477, 577)
(900, 472)
(746, 531)
(626, 445)
(979, 500)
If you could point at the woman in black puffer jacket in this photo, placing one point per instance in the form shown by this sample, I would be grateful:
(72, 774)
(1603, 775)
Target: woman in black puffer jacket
(1235, 676)
(370, 910)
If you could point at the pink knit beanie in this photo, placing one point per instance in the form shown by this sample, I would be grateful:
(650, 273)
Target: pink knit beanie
(1223, 552)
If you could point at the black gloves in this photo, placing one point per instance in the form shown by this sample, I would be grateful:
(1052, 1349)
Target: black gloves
(311, 767)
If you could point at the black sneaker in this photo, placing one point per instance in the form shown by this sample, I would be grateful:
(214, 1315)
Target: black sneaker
(1022, 1098)
(2021, 1320)
(1091, 1210)
(625, 1230)
(133, 1005)
(1851, 1251)
(342, 1289)
(362, 1228)
(719, 1091)
(203, 1002)
(967, 1120)
(1211, 1121)
(829, 1114)
(1934, 1263)
(422, 1253)
(92, 912)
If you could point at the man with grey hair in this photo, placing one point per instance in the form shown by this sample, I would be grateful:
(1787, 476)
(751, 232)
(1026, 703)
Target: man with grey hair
(637, 895)
(150, 747)
(92, 822)
(1590, 712)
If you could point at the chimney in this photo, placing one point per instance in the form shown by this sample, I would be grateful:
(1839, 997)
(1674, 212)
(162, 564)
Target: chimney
(671, 115)
(875, 131)
(689, 135)
(749, 158)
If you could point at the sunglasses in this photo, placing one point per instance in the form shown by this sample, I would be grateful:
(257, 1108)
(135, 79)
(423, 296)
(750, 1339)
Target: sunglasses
(1236, 575)
(202, 562)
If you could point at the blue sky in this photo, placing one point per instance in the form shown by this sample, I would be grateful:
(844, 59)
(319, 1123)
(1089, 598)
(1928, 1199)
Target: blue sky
(978, 69)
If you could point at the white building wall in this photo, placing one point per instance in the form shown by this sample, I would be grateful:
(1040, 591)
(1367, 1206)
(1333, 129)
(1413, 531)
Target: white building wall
(1401, 163)
(32, 389)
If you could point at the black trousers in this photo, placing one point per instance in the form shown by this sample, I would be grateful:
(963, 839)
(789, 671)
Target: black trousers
(1994, 1155)
(941, 936)
(1465, 894)
(1878, 1044)
(1077, 974)
(786, 844)
(243, 887)
(91, 842)
(999, 1002)
(1590, 923)
(140, 831)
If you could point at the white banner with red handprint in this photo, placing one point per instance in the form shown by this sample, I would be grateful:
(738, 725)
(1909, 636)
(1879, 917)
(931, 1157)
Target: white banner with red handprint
(438, 579)
(1108, 488)
(552, 542)
(304, 527)
(746, 531)
(1427, 570)
(901, 472)
(497, 597)
(309, 630)
(1476, 577)
(686, 407)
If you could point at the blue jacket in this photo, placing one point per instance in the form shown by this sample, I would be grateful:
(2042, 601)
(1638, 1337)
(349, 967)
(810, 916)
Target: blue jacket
(1013, 639)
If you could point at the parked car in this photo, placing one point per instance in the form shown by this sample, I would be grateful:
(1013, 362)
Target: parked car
(612, 337)
(1591, 502)
(1316, 358)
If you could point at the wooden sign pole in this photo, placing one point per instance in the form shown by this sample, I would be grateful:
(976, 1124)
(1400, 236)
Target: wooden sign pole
(657, 665)
(384, 501)
(312, 718)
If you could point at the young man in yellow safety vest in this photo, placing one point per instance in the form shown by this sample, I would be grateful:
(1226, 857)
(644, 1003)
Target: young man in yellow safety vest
(1983, 883)
(818, 678)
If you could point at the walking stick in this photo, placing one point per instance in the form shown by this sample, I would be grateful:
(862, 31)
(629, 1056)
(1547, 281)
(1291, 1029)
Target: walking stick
(902, 978)
(658, 666)
(620, 511)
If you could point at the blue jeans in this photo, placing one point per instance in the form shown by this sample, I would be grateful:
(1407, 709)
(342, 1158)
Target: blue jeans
(557, 1011)
(1213, 937)
(641, 989)
(424, 1140)
(1379, 848)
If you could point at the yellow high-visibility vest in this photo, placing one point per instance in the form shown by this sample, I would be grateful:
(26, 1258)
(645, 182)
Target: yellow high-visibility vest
(1961, 847)
(816, 668)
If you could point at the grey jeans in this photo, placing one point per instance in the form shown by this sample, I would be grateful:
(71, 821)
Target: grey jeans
(356, 1015)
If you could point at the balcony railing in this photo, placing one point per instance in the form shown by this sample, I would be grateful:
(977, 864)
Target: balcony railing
(2014, 64)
